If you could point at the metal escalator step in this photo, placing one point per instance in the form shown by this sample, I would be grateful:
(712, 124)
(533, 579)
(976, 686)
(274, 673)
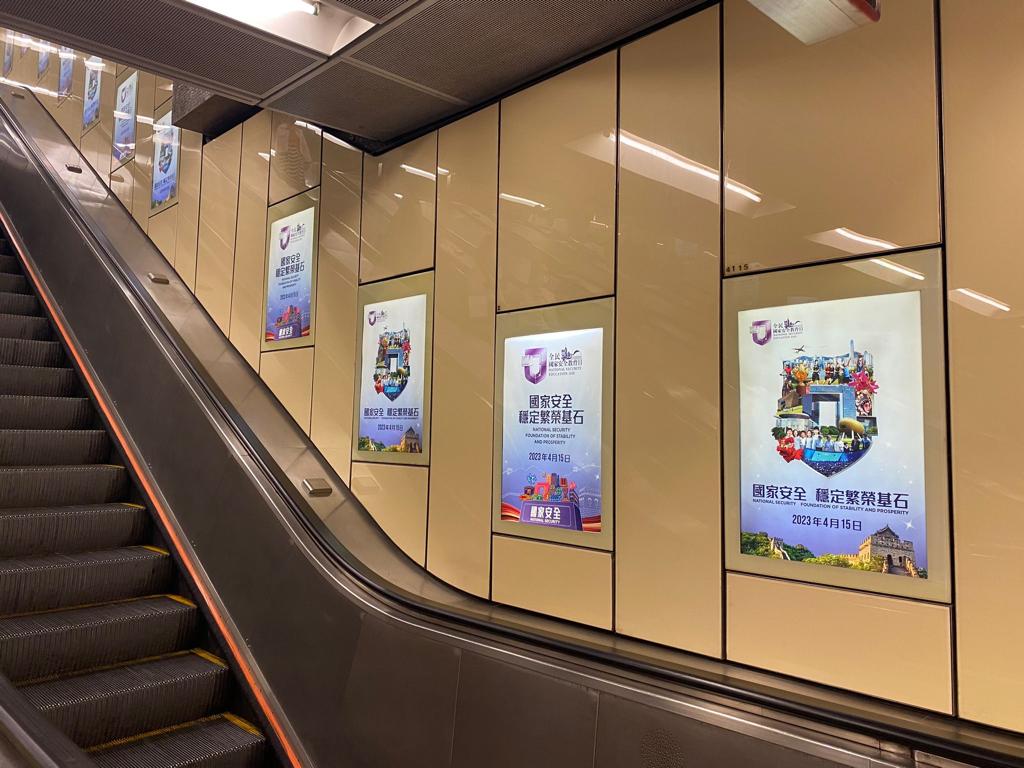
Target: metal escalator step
(9, 263)
(25, 327)
(48, 530)
(217, 742)
(96, 707)
(42, 382)
(56, 486)
(40, 645)
(18, 303)
(14, 283)
(46, 582)
(37, 412)
(39, 447)
(31, 352)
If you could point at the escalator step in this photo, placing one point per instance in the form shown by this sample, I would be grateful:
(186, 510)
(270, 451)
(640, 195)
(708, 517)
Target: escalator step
(40, 645)
(31, 352)
(217, 742)
(42, 382)
(96, 707)
(25, 327)
(55, 486)
(14, 283)
(39, 447)
(47, 530)
(18, 304)
(47, 582)
(9, 263)
(35, 412)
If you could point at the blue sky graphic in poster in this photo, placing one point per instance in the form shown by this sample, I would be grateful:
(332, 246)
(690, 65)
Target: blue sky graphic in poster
(44, 59)
(551, 430)
(124, 119)
(165, 161)
(391, 377)
(290, 277)
(832, 434)
(8, 57)
(91, 99)
(67, 70)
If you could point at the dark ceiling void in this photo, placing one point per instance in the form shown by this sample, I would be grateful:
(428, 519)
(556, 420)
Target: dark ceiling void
(426, 61)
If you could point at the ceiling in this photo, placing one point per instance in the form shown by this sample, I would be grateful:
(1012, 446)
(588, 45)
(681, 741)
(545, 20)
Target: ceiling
(423, 61)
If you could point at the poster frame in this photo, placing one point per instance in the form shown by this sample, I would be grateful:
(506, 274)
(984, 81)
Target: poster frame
(99, 72)
(44, 60)
(583, 315)
(275, 213)
(847, 279)
(389, 290)
(173, 199)
(117, 162)
(64, 96)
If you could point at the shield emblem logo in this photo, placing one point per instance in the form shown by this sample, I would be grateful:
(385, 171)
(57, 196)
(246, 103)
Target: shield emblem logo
(825, 416)
(535, 364)
(285, 236)
(761, 332)
(394, 364)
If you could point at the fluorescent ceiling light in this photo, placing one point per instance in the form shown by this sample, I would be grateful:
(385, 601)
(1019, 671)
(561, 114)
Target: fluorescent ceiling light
(336, 140)
(906, 271)
(418, 171)
(443, 171)
(399, 195)
(242, 10)
(94, 63)
(521, 200)
(984, 299)
(685, 163)
(883, 245)
(309, 127)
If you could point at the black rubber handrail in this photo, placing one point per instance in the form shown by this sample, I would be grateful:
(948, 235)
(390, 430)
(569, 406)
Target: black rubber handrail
(39, 742)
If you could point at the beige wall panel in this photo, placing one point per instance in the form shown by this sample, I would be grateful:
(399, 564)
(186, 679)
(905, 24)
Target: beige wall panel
(289, 374)
(218, 215)
(983, 124)
(399, 200)
(164, 91)
(802, 162)
(569, 582)
(459, 539)
(141, 167)
(668, 499)
(294, 157)
(190, 166)
(122, 184)
(556, 218)
(887, 647)
(163, 231)
(396, 497)
(337, 304)
(251, 240)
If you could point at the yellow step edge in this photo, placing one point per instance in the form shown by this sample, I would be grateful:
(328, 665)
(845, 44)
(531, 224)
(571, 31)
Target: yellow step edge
(245, 725)
(213, 659)
(151, 734)
(158, 550)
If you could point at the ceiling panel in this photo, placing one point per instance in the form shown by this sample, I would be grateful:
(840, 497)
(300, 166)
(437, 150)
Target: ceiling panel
(166, 38)
(375, 10)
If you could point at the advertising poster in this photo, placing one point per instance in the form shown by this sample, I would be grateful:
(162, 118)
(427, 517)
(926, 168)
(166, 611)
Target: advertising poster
(551, 460)
(290, 278)
(124, 119)
(165, 162)
(392, 376)
(831, 436)
(8, 57)
(44, 60)
(91, 98)
(67, 71)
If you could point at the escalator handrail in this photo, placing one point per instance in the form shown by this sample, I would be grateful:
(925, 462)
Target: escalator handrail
(932, 733)
(39, 742)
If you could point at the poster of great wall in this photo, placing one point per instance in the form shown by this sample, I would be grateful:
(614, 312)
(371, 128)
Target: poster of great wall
(831, 434)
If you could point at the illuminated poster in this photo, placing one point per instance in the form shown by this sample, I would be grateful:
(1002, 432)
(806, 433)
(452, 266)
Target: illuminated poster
(165, 161)
(290, 278)
(392, 376)
(67, 70)
(551, 436)
(832, 434)
(91, 99)
(8, 57)
(124, 119)
(44, 59)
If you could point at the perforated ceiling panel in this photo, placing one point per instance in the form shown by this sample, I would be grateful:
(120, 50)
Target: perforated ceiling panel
(166, 38)
(473, 49)
(346, 97)
(376, 10)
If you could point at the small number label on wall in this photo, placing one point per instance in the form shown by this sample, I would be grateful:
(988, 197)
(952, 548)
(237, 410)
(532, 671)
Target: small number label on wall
(735, 268)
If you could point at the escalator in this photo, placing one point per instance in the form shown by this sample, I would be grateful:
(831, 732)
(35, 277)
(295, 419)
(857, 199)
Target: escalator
(98, 629)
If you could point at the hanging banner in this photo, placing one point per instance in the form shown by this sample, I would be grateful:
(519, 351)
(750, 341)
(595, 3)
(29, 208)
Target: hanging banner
(552, 430)
(91, 98)
(393, 375)
(289, 294)
(124, 119)
(8, 57)
(44, 60)
(832, 434)
(166, 144)
(67, 71)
